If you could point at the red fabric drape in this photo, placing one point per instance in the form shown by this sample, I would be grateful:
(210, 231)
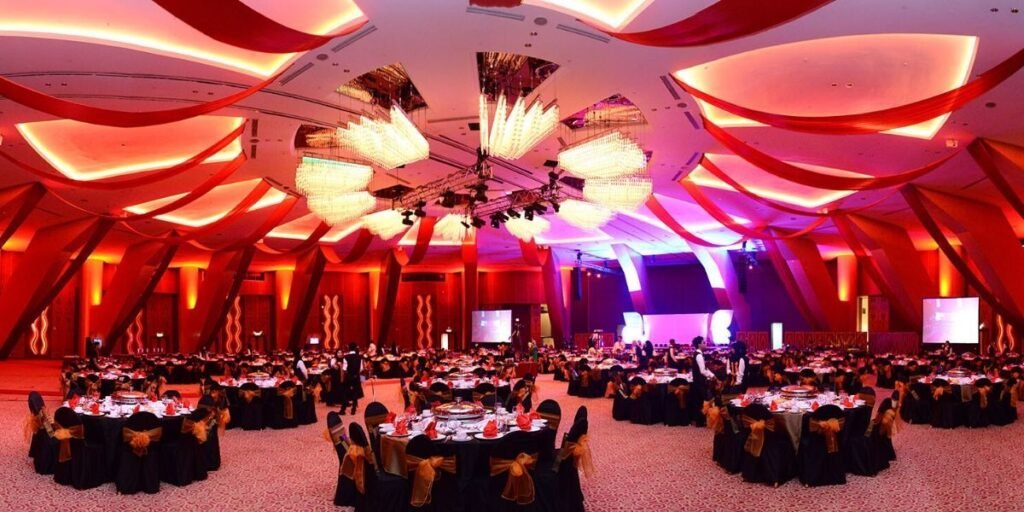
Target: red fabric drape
(553, 292)
(362, 243)
(496, 3)
(139, 181)
(18, 202)
(724, 219)
(423, 236)
(879, 120)
(309, 271)
(273, 220)
(723, 20)
(716, 171)
(666, 218)
(65, 109)
(311, 240)
(790, 172)
(139, 271)
(470, 287)
(982, 154)
(789, 283)
(234, 23)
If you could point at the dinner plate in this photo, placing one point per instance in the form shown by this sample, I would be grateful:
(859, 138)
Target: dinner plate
(463, 440)
(483, 438)
(88, 413)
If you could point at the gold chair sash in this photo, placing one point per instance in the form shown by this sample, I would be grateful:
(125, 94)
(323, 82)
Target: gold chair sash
(65, 435)
(830, 430)
(519, 486)
(585, 379)
(680, 392)
(223, 419)
(34, 422)
(983, 392)
(715, 418)
(637, 391)
(1014, 396)
(938, 391)
(199, 429)
(755, 441)
(425, 474)
(580, 452)
(353, 466)
(289, 405)
(336, 434)
(139, 441)
(888, 424)
(249, 394)
(554, 420)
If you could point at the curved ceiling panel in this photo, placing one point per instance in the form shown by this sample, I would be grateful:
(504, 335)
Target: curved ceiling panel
(838, 75)
(87, 152)
(212, 206)
(613, 14)
(142, 25)
(300, 229)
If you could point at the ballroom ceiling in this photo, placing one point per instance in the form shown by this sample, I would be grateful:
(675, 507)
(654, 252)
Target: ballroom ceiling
(847, 57)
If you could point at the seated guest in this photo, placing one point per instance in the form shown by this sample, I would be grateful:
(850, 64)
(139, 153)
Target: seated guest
(808, 378)
(371, 350)
(737, 370)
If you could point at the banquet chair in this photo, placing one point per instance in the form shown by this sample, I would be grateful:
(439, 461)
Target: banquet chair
(573, 456)
(440, 392)
(335, 433)
(640, 405)
(250, 407)
(551, 411)
(621, 404)
(513, 466)
(212, 445)
(285, 407)
(727, 444)
(479, 372)
(334, 394)
(176, 460)
(596, 387)
(1005, 411)
(306, 402)
(361, 485)
(979, 409)
(767, 451)
(856, 443)
(886, 377)
(920, 402)
(581, 414)
(883, 427)
(195, 433)
(78, 463)
(485, 392)
(676, 412)
(435, 487)
(171, 394)
(37, 425)
(576, 379)
(821, 453)
(375, 414)
(867, 393)
(139, 460)
(944, 404)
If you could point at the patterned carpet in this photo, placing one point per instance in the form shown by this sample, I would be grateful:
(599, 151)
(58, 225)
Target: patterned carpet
(639, 468)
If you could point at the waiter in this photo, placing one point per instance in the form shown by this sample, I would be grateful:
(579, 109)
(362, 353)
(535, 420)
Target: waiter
(700, 375)
(353, 364)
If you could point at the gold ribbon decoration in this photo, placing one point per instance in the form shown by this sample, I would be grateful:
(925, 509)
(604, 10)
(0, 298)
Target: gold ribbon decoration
(755, 441)
(34, 422)
(223, 419)
(830, 429)
(519, 486)
(581, 454)
(425, 474)
(888, 423)
(199, 429)
(140, 441)
(289, 404)
(680, 392)
(938, 391)
(1014, 396)
(637, 391)
(715, 418)
(65, 435)
(983, 392)
(249, 394)
(353, 466)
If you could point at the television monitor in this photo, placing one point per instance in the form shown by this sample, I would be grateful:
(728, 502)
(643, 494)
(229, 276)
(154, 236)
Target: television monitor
(952, 319)
(492, 326)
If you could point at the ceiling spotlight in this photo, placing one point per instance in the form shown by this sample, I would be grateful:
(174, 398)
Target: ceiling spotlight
(539, 209)
(478, 222)
(448, 199)
(515, 215)
(419, 211)
(481, 195)
(464, 224)
(495, 223)
(555, 206)
(407, 221)
(528, 213)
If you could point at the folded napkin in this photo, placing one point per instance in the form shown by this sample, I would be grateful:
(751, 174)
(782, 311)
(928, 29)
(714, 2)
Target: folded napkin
(151, 397)
(491, 429)
(534, 415)
(186, 404)
(73, 402)
(744, 402)
(169, 411)
(409, 410)
(815, 405)
(848, 402)
(390, 418)
(401, 428)
(431, 430)
(523, 422)
(94, 408)
(774, 406)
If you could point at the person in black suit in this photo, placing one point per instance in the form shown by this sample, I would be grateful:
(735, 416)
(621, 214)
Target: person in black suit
(353, 363)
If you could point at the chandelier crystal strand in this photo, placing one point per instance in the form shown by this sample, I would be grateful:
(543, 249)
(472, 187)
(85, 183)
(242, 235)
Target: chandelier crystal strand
(451, 227)
(610, 155)
(526, 230)
(322, 176)
(484, 126)
(583, 214)
(388, 144)
(385, 224)
(515, 132)
(339, 208)
(622, 193)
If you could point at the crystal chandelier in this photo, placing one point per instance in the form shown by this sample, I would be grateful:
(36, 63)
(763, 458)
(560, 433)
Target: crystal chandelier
(384, 224)
(335, 209)
(452, 227)
(607, 156)
(388, 144)
(622, 193)
(323, 176)
(514, 133)
(584, 215)
(526, 230)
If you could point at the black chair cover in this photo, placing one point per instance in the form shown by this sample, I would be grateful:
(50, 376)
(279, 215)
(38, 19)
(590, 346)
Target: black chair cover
(139, 473)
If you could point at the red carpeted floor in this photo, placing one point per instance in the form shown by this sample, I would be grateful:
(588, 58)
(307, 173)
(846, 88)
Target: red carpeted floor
(639, 468)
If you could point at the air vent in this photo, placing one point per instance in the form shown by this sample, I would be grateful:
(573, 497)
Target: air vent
(254, 128)
(551, 163)
(255, 276)
(496, 14)
(423, 277)
(693, 121)
(583, 33)
(671, 88)
(295, 74)
(252, 152)
(358, 35)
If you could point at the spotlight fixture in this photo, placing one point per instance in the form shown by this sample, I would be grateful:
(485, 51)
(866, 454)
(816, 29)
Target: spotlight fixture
(478, 222)
(515, 215)
(495, 223)
(448, 199)
(539, 208)
(419, 211)
(527, 213)
(555, 206)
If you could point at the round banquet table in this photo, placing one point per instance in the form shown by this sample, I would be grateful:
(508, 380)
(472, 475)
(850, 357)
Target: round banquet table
(106, 431)
(268, 395)
(791, 421)
(463, 389)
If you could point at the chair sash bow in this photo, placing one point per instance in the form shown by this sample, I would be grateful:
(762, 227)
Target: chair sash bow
(637, 391)
(715, 418)
(983, 392)
(140, 440)
(288, 408)
(353, 466)
(65, 435)
(829, 429)
(888, 423)
(249, 394)
(519, 486)
(938, 391)
(425, 474)
(679, 392)
(755, 441)
(199, 429)
(581, 454)
(34, 422)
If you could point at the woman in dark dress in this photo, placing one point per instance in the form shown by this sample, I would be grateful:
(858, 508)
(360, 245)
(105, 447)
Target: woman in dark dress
(352, 383)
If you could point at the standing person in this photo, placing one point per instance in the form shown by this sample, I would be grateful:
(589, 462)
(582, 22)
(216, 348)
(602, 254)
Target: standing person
(700, 375)
(648, 353)
(371, 350)
(672, 356)
(299, 367)
(353, 386)
(737, 368)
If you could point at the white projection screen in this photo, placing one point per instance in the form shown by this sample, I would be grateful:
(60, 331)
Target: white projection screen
(494, 326)
(953, 319)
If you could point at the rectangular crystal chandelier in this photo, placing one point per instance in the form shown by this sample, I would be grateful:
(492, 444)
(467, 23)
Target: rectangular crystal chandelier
(388, 144)
(515, 132)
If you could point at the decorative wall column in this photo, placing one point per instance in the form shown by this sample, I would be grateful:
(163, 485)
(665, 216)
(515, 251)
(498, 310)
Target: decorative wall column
(140, 270)
(214, 298)
(724, 283)
(635, 271)
(297, 292)
(815, 284)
